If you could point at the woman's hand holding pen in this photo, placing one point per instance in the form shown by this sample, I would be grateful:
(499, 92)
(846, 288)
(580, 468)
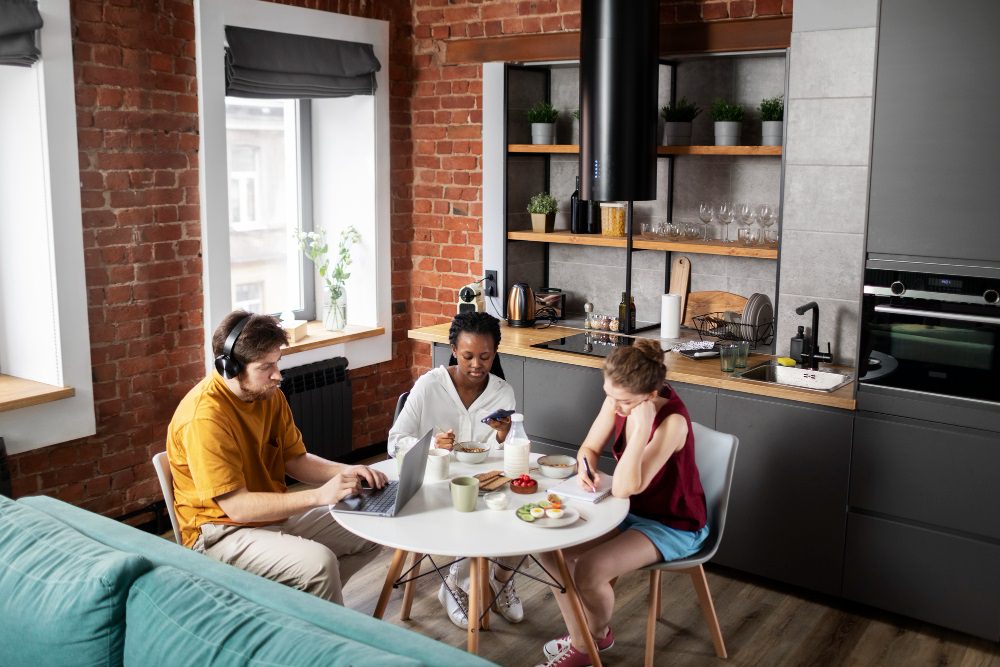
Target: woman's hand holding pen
(589, 478)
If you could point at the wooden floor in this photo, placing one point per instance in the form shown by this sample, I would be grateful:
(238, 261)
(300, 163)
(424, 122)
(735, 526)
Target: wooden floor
(763, 624)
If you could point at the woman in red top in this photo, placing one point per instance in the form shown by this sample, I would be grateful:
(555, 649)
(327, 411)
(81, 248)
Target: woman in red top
(656, 471)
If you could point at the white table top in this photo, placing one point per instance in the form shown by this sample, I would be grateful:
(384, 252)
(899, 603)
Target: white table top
(430, 524)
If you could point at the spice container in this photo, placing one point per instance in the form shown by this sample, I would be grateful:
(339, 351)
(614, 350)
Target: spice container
(613, 219)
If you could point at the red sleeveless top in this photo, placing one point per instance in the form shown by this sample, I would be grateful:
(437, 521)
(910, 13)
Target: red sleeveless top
(674, 497)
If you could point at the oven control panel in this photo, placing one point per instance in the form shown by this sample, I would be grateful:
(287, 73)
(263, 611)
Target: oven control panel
(934, 287)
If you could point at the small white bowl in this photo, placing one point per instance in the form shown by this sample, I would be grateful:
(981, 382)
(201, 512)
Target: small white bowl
(472, 452)
(558, 466)
(496, 500)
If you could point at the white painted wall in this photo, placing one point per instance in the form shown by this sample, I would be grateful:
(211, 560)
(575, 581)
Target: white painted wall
(372, 260)
(44, 333)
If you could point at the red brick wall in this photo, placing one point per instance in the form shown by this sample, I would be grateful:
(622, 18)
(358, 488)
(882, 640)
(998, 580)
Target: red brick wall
(137, 117)
(137, 114)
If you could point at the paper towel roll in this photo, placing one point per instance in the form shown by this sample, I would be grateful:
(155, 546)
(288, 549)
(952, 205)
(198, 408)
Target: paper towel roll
(670, 316)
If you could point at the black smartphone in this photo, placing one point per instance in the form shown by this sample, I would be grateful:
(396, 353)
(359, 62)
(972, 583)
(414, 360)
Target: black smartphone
(498, 414)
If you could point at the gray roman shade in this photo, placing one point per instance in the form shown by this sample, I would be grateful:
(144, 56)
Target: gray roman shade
(19, 23)
(261, 63)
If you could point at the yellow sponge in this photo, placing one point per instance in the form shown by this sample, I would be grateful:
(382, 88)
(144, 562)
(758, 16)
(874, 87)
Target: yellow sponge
(786, 361)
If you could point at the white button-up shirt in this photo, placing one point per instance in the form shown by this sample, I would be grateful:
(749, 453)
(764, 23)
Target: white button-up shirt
(434, 403)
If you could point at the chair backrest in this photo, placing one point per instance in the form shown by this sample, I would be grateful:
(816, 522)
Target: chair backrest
(162, 466)
(715, 454)
(400, 402)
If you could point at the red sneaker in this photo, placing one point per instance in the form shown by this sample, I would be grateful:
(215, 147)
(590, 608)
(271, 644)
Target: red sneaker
(570, 657)
(554, 647)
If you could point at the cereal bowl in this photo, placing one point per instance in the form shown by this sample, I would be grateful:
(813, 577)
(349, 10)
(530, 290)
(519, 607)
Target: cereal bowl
(558, 466)
(472, 452)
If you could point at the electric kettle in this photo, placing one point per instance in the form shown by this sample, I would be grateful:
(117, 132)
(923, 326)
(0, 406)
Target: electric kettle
(521, 306)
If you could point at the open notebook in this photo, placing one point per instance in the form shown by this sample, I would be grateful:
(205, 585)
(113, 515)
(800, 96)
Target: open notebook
(570, 488)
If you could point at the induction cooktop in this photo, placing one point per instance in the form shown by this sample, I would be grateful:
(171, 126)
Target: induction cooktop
(590, 343)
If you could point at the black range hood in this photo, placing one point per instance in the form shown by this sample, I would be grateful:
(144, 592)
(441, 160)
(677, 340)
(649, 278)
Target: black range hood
(619, 51)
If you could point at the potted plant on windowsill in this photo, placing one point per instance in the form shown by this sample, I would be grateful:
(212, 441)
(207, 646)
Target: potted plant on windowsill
(677, 119)
(315, 247)
(728, 119)
(542, 208)
(543, 118)
(772, 115)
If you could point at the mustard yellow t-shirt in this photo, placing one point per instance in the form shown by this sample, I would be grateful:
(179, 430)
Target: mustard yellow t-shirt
(217, 443)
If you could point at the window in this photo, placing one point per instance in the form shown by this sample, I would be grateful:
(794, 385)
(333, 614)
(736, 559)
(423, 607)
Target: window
(248, 297)
(268, 154)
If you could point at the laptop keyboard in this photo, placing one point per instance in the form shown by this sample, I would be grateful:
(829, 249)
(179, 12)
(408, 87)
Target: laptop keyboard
(380, 500)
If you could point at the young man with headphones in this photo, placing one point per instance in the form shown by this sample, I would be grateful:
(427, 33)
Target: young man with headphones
(230, 444)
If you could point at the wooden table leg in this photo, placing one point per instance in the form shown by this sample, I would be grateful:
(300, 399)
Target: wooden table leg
(404, 612)
(581, 619)
(485, 593)
(475, 603)
(395, 567)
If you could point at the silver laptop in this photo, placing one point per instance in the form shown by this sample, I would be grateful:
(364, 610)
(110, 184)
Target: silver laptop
(390, 499)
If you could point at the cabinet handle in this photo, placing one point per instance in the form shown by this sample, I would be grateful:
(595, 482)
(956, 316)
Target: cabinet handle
(892, 310)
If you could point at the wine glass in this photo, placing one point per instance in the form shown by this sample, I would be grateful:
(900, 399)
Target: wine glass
(746, 213)
(766, 215)
(726, 213)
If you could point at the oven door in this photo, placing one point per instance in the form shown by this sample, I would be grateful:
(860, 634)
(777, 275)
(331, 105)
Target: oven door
(931, 346)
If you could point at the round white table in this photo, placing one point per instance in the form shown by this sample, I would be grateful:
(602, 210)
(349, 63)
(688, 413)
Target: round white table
(429, 524)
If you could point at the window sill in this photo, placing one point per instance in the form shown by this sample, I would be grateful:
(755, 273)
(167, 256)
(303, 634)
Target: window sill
(20, 393)
(317, 336)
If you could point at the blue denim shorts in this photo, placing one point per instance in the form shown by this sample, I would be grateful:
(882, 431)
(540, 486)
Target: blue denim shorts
(672, 543)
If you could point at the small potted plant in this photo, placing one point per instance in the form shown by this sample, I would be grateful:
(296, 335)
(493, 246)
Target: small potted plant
(315, 247)
(728, 119)
(677, 119)
(542, 208)
(772, 113)
(543, 117)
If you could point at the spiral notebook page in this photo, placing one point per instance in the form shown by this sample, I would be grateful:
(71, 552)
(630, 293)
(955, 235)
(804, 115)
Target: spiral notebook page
(570, 488)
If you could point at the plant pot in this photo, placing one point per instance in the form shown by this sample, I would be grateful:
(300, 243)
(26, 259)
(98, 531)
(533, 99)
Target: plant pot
(677, 133)
(727, 133)
(770, 133)
(335, 314)
(542, 222)
(543, 133)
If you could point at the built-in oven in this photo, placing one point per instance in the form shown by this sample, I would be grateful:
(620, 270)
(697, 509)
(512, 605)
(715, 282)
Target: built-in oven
(931, 333)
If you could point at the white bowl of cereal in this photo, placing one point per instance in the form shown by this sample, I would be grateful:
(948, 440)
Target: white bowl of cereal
(558, 466)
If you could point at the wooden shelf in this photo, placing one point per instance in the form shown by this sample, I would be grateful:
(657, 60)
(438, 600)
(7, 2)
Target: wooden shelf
(20, 393)
(644, 243)
(317, 336)
(572, 149)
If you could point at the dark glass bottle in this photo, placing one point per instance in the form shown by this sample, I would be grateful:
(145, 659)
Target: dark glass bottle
(593, 217)
(623, 314)
(631, 315)
(577, 219)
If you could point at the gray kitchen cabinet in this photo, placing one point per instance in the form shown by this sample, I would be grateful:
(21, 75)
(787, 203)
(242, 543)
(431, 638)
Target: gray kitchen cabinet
(925, 472)
(788, 507)
(946, 579)
(700, 402)
(561, 400)
(513, 368)
(934, 173)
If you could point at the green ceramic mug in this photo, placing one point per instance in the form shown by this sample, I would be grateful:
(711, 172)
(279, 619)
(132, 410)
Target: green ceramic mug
(464, 491)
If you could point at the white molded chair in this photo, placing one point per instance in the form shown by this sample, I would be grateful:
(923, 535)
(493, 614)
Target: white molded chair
(715, 454)
(162, 466)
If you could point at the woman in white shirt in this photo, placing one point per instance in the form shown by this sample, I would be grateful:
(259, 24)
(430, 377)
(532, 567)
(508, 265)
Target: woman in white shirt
(453, 400)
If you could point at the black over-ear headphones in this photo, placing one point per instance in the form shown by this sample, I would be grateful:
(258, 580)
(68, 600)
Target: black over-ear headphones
(227, 365)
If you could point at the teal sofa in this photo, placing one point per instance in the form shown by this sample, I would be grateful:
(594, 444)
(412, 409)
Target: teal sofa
(77, 588)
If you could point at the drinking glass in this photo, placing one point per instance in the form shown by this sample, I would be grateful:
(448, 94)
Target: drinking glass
(706, 211)
(766, 215)
(727, 357)
(726, 213)
(746, 213)
(771, 238)
(742, 352)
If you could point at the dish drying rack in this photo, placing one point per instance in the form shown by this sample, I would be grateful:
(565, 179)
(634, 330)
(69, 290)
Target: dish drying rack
(717, 326)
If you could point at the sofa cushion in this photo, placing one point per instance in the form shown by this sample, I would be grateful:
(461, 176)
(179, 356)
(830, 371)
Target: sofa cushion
(178, 618)
(309, 608)
(62, 595)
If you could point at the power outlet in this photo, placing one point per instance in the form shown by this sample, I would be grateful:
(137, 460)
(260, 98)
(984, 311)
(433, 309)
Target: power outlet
(490, 283)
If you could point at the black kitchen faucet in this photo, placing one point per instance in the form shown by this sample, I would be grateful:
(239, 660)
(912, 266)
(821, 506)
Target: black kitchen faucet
(814, 354)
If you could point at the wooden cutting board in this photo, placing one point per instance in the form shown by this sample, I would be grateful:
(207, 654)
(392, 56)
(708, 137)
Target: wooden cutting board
(702, 303)
(680, 274)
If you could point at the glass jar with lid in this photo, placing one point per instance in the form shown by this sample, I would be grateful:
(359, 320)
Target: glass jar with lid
(613, 219)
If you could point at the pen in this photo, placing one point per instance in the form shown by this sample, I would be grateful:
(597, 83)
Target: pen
(590, 474)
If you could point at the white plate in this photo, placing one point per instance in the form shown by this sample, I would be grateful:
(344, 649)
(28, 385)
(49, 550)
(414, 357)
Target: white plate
(568, 518)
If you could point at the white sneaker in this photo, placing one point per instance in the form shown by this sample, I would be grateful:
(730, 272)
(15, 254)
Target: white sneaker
(507, 604)
(457, 610)
(554, 647)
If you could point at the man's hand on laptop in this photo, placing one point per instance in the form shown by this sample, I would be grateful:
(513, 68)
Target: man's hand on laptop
(371, 478)
(342, 485)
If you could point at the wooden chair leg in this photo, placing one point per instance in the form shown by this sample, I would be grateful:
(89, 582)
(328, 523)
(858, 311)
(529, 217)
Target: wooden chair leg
(485, 593)
(708, 609)
(404, 611)
(395, 567)
(475, 604)
(652, 615)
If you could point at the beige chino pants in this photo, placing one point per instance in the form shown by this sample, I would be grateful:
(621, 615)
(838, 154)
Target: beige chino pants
(309, 551)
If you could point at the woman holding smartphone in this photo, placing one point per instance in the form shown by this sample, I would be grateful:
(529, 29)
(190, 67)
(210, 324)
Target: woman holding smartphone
(656, 471)
(464, 402)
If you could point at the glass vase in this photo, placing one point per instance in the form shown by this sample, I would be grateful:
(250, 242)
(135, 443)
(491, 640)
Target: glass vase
(335, 317)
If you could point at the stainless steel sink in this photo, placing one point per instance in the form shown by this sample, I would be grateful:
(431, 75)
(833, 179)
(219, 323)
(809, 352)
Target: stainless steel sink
(802, 378)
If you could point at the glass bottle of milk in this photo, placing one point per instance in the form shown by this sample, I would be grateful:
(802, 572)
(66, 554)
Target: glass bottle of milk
(517, 448)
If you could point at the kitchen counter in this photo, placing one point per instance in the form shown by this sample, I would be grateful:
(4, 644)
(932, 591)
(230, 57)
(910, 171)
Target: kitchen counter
(704, 372)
